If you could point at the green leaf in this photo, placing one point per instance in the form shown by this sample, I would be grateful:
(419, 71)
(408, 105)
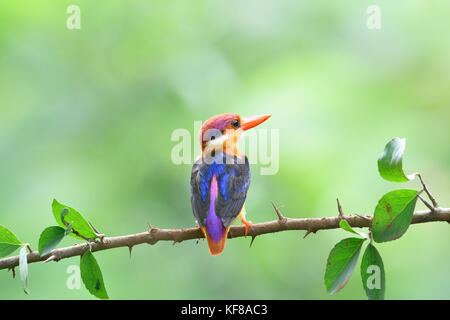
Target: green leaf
(49, 239)
(341, 263)
(372, 274)
(346, 226)
(390, 162)
(72, 216)
(92, 275)
(23, 268)
(393, 214)
(8, 242)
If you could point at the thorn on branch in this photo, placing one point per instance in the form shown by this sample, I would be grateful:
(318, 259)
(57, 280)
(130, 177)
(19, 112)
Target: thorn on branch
(29, 248)
(93, 228)
(97, 233)
(309, 231)
(130, 249)
(51, 258)
(150, 228)
(281, 219)
(253, 239)
(177, 238)
(341, 213)
(13, 272)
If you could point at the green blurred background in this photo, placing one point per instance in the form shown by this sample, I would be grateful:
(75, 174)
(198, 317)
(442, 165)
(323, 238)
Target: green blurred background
(86, 117)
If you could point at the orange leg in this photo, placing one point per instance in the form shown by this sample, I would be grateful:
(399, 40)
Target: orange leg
(247, 224)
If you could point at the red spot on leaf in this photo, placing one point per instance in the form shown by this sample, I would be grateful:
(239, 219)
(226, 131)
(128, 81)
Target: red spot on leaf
(389, 209)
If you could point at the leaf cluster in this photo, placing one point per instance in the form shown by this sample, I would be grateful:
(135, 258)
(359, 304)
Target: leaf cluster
(391, 219)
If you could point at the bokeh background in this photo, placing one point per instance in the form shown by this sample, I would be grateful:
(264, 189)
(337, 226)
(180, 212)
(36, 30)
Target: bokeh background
(86, 117)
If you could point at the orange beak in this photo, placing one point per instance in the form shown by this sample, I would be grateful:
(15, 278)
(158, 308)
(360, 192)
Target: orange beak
(250, 122)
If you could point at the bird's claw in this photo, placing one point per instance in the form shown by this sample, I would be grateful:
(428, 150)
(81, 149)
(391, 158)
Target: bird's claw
(247, 224)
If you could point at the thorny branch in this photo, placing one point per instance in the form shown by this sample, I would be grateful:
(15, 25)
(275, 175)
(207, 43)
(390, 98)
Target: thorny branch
(153, 235)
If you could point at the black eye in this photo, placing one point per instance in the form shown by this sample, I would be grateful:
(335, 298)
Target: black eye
(212, 138)
(235, 123)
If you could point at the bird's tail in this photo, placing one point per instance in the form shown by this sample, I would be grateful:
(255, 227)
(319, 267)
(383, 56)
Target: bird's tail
(215, 246)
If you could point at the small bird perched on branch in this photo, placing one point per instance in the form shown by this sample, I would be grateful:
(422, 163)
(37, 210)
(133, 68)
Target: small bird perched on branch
(220, 177)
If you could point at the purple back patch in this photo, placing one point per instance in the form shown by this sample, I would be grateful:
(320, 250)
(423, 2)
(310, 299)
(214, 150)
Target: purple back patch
(214, 225)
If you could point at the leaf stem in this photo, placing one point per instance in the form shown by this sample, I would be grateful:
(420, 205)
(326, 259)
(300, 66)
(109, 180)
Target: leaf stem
(433, 201)
(429, 206)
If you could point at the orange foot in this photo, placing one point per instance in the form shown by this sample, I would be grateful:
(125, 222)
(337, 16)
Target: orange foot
(247, 224)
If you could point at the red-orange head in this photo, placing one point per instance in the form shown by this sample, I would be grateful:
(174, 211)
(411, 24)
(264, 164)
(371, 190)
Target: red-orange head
(222, 131)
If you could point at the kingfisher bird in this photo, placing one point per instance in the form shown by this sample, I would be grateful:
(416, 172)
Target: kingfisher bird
(220, 177)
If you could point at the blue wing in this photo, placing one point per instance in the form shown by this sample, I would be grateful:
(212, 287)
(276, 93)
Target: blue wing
(233, 179)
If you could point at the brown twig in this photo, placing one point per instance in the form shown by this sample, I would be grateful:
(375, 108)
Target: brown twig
(433, 201)
(429, 206)
(341, 213)
(81, 236)
(178, 235)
